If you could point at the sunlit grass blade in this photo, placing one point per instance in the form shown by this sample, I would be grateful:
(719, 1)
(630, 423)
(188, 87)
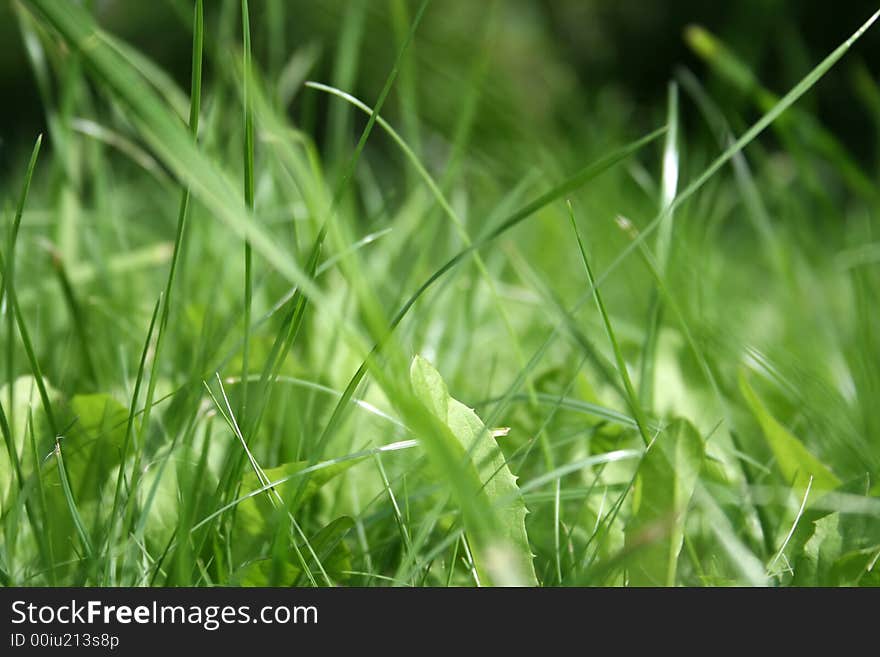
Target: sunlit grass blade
(670, 176)
(799, 129)
(758, 211)
(802, 87)
(668, 190)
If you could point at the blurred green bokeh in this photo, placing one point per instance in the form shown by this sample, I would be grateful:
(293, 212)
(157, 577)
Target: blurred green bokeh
(556, 56)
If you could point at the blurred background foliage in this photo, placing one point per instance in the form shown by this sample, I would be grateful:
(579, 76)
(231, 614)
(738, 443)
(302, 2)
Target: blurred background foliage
(560, 62)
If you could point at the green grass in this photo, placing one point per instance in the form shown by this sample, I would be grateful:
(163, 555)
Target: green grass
(674, 364)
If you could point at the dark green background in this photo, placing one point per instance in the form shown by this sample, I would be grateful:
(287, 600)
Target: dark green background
(628, 47)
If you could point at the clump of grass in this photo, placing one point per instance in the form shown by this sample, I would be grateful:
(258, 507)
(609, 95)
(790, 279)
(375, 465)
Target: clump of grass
(695, 424)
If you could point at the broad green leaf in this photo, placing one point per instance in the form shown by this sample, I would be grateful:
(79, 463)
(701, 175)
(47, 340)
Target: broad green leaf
(93, 445)
(476, 443)
(821, 549)
(663, 489)
(795, 462)
(94, 427)
(158, 489)
(858, 568)
(253, 516)
(328, 545)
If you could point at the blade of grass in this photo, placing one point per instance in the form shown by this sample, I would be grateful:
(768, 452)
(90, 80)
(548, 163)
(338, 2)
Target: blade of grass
(126, 441)
(800, 131)
(669, 186)
(348, 173)
(407, 90)
(274, 497)
(374, 115)
(41, 497)
(758, 212)
(344, 74)
(15, 310)
(398, 516)
(71, 502)
(6, 291)
(248, 199)
(76, 315)
(9, 273)
(668, 190)
(284, 340)
(632, 397)
(604, 367)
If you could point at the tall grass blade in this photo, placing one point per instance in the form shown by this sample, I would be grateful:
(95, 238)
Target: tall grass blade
(632, 398)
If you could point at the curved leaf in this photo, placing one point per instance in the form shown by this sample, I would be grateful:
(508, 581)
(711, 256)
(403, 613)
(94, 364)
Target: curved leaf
(512, 555)
(795, 462)
(253, 516)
